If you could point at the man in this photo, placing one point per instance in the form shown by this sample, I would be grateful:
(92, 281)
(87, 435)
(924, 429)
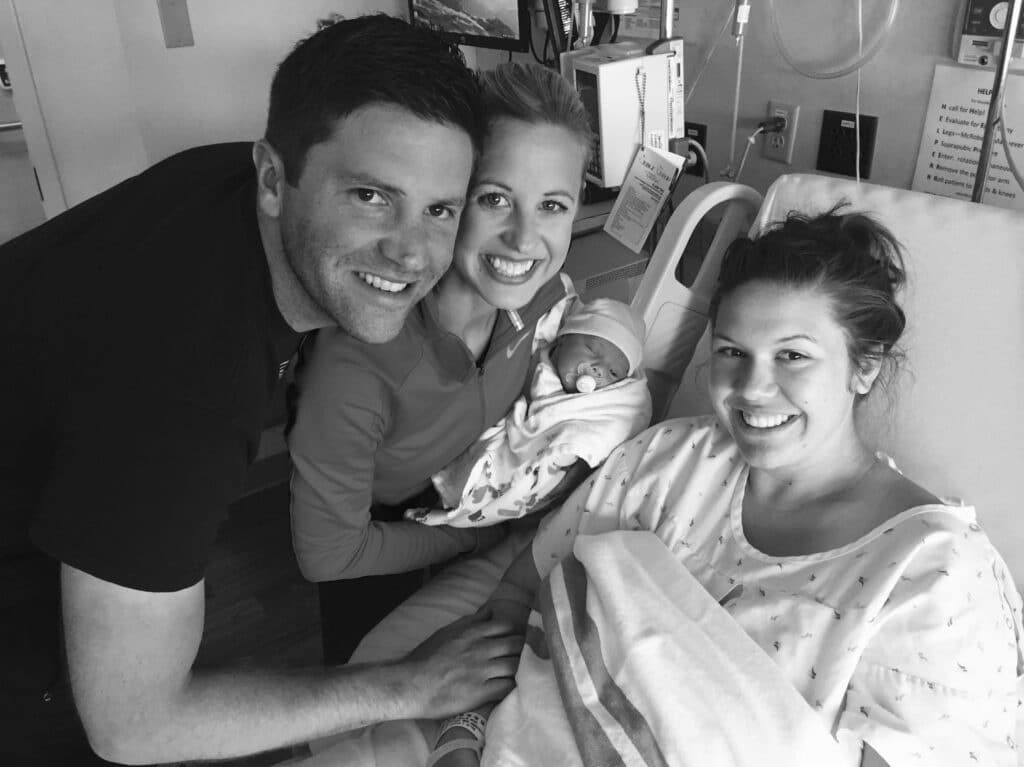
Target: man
(143, 333)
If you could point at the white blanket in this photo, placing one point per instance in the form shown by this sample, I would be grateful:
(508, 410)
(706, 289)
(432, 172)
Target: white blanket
(515, 464)
(632, 662)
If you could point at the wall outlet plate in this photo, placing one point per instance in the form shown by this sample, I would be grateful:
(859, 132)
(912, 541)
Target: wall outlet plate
(837, 149)
(699, 133)
(779, 146)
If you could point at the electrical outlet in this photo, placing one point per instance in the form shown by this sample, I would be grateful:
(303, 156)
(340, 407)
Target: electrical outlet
(779, 146)
(837, 149)
(698, 133)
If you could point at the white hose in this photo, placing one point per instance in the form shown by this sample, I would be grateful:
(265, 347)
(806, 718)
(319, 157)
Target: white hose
(729, 171)
(750, 142)
(699, 151)
(825, 74)
(1007, 150)
(711, 51)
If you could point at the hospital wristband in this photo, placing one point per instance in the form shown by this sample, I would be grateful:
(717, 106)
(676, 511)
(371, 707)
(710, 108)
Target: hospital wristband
(513, 593)
(470, 720)
(454, 745)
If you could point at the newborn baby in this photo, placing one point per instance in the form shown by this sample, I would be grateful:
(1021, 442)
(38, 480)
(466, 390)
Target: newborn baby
(597, 346)
(586, 396)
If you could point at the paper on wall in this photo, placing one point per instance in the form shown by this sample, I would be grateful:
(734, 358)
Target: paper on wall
(947, 160)
(648, 184)
(645, 21)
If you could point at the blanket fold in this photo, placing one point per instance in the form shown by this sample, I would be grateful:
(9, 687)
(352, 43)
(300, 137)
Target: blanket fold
(631, 662)
(516, 463)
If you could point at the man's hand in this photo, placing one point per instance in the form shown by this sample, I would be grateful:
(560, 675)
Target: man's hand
(131, 655)
(464, 665)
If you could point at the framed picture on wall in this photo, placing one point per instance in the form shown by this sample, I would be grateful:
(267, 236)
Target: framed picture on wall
(501, 24)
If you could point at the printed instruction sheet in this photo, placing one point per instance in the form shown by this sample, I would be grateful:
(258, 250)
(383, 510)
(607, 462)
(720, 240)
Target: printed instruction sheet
(648, 184)
(645, 21)
(947, 160)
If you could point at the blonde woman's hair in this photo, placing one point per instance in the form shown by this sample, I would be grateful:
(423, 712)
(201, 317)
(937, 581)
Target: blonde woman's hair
(536, 95)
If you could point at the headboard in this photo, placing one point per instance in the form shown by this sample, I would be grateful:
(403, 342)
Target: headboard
(954, 418)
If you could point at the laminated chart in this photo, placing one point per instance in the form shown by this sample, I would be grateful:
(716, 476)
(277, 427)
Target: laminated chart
(954, 129)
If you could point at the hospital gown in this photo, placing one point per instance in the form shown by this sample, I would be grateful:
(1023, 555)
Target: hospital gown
(908, 638)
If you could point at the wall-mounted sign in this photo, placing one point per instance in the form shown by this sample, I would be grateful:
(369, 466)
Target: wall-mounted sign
(954, 127)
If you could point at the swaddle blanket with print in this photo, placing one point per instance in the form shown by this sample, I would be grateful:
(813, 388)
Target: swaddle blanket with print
(629, 661)
(515, 465)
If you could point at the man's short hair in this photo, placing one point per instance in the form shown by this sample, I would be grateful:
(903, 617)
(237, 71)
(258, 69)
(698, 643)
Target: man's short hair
(374, 59)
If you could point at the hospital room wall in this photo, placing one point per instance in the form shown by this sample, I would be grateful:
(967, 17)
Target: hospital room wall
(115, 100)
(895, 84)
(112, 99)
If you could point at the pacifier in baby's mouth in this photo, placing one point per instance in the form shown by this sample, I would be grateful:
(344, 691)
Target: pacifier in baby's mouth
(587, 377)
(585, 384)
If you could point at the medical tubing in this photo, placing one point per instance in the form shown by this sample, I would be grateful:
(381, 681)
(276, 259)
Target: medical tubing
(750, 142)
(1006, 147)
(699, 150)
(533, 50)
(735, 109)
(586, 23)
(601, 21)
(710, 53)
(862, 59)
(996, 101)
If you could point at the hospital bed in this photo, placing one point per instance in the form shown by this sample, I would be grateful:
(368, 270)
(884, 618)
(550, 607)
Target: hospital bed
(953, 421)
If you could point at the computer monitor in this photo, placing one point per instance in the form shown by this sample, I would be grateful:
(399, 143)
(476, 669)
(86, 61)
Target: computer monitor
(502, 24)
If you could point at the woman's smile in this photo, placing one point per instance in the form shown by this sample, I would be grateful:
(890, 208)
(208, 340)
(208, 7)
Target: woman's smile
(766, 421)
(781, 378)
(516, 228)
(510, 270)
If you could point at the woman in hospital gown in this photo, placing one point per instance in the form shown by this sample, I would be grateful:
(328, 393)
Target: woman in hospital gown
(886, 608)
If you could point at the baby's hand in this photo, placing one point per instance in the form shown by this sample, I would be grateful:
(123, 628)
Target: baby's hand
(432, 517)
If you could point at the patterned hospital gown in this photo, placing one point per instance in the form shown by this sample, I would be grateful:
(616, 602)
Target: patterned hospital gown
(907, 639)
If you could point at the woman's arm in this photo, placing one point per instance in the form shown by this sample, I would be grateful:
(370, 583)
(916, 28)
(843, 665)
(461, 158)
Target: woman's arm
(512, 599)
(341, 540)
(574, 476)
(335, 537)
(341, 415)
(939, 672)
(509, 603)
(520, 582)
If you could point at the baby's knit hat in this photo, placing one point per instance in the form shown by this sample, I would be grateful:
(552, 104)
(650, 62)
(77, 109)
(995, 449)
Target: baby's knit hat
(612, 320)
